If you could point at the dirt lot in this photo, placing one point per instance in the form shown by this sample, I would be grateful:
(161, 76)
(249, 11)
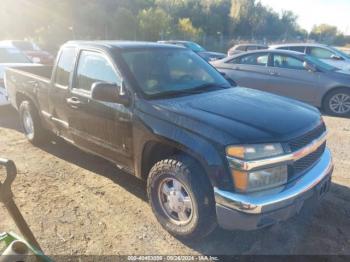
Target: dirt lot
(79, 204)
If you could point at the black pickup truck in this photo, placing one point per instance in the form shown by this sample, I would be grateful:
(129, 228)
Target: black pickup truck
(211, 153)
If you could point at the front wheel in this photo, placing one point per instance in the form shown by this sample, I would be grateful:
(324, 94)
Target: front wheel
(181, 198)
(337, 102)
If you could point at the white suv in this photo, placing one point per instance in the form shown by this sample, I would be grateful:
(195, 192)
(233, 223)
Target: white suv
(325, 53)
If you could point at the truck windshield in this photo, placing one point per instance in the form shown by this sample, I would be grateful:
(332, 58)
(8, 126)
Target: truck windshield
(172, 71)
(12, 55)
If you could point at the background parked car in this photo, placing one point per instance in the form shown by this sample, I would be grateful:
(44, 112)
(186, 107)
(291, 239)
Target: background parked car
(207, 55)
(32, 51)
(9, 56)
(325, 53)
(237, 49)
(291, 74)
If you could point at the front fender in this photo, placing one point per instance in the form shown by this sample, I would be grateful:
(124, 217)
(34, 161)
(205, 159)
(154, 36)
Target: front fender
(148, 128)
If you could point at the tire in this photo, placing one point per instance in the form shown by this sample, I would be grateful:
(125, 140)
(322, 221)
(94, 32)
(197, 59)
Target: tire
(31, 123)
(195, 187)
(340, 97)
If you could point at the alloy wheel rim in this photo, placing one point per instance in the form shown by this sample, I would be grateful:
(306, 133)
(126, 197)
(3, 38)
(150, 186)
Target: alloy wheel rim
(28, 124)
(340, 103)
(175, 201)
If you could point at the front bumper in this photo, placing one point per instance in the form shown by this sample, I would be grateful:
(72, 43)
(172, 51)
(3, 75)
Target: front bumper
(252, 211)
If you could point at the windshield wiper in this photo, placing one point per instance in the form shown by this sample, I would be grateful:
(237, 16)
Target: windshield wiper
(196, 90)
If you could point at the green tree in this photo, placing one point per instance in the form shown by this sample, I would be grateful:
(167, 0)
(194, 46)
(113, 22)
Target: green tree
(187, 31)
(124, 25)
(324, 33)
(154, 24)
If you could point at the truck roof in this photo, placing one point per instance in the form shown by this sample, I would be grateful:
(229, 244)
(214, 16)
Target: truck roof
(121, 44)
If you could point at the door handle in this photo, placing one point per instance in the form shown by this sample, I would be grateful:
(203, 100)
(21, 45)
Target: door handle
(274, 73)
(33, 83)
(74, 102)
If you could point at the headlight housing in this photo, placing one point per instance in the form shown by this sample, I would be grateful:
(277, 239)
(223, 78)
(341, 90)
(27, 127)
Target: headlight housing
(261, 179)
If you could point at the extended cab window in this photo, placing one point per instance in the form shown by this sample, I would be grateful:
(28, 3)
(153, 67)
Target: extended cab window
(94, 67)
(288, 62)
(65, 66)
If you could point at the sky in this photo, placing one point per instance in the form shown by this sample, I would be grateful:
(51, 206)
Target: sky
(311, 12)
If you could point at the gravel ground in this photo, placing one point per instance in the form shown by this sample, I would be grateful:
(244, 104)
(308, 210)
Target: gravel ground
(76, 203)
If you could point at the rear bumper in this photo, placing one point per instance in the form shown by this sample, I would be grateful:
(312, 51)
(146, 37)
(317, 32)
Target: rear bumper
(252, 211)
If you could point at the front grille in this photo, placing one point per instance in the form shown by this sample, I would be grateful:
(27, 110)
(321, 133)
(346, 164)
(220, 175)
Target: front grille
(303, 164)
(306, 139)
(308, 161)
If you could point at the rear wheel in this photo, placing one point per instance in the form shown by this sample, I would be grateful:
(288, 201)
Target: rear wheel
(337, 102)
(31, 123)
(181, 198)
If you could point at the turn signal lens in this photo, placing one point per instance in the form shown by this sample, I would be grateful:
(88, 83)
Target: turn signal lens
(236, 151)
(253, 152)
(260, 179)
(240, 179)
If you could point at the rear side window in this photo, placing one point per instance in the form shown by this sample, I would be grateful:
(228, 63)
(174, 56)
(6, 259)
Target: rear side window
(283, 48)
(65, 66)
(321, 53)
(94, 67)
(300, 49)
(260, 59)
(251, 48)
(288, 62)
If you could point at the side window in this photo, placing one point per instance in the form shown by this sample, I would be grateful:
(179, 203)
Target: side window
(251, 48)
(236, 60)
(94, 67)
(283, 48)
(321, 53)
(300, 49)
(289, 62)
(260, 59)
(65, 66)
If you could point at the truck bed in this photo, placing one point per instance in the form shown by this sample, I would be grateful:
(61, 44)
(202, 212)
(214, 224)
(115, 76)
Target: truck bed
(35, 71)
(28, 81)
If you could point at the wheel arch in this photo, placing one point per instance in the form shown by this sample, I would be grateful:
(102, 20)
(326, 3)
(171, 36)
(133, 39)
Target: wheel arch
(330, 91)
(157, 150)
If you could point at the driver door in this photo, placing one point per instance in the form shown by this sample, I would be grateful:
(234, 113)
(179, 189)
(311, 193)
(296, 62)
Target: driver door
(100, 127)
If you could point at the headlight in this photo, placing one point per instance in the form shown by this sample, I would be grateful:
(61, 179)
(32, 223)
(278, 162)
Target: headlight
(255, 180)
(254, 152)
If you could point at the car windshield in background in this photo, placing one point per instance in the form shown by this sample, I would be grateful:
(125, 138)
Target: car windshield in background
(12, 55)
(195, 47)
(25, 46)
(320, 64)
(340, 52)
(172, 71)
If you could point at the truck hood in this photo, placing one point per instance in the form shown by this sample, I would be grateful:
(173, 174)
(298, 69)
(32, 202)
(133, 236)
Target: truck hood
(237, 115)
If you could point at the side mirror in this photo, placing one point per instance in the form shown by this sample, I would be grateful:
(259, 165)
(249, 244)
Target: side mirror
(107, 92)
(336, 57)
(309, 67)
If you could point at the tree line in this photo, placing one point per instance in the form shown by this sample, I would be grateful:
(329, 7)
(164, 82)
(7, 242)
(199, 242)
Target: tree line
(212, 22)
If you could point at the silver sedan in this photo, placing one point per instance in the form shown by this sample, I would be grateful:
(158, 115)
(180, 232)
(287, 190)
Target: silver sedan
(291, 74)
